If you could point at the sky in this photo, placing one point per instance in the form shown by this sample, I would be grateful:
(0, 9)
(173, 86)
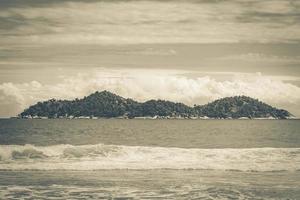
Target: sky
(192, 51)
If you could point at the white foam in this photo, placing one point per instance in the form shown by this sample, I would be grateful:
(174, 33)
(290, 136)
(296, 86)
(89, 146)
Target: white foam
(100, 156)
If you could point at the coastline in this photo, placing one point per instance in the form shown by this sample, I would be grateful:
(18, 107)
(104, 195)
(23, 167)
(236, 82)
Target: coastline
(152, 118)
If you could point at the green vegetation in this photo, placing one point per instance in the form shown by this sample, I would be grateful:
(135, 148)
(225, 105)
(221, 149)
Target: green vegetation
(107, 105)
(240, 106)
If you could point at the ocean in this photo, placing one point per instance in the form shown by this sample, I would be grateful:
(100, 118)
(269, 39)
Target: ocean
(149, 159)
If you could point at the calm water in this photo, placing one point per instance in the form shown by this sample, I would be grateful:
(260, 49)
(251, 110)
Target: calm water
(149, 159)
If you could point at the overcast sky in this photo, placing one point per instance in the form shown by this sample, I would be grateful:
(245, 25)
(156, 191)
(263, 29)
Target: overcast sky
(193, 51)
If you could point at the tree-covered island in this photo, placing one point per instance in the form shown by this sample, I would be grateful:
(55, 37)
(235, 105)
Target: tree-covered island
(108, 105)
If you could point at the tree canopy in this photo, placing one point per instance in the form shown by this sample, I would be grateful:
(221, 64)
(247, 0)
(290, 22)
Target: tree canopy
(106, 104)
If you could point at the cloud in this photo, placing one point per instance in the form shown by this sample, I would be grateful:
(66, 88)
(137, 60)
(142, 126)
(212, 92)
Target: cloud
(259, 57)
(147, 84)
(136, 22)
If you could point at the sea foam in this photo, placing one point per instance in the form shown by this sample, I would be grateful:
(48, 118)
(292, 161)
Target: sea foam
(101, 156)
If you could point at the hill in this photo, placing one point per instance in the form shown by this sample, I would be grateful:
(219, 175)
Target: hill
(108, 105)
(240, 106)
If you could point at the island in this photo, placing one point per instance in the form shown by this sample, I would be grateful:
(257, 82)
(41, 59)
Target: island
(108, 105)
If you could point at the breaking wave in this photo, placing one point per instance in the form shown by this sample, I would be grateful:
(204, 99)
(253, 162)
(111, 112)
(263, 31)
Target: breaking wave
(100, 156)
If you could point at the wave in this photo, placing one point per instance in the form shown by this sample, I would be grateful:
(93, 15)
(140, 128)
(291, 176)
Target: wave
(101, 156)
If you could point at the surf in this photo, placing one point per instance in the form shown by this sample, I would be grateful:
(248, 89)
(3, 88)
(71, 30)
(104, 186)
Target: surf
(105, 157)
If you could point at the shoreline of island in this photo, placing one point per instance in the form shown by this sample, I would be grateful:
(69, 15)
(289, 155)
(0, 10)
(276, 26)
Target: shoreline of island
(152, 118)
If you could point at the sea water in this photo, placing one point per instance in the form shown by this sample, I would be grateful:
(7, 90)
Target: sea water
(149, 159)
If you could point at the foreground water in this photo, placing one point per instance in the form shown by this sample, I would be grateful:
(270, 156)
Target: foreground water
(149, 159)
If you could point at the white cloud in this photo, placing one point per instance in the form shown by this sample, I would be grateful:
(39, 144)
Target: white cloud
(147, 84)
